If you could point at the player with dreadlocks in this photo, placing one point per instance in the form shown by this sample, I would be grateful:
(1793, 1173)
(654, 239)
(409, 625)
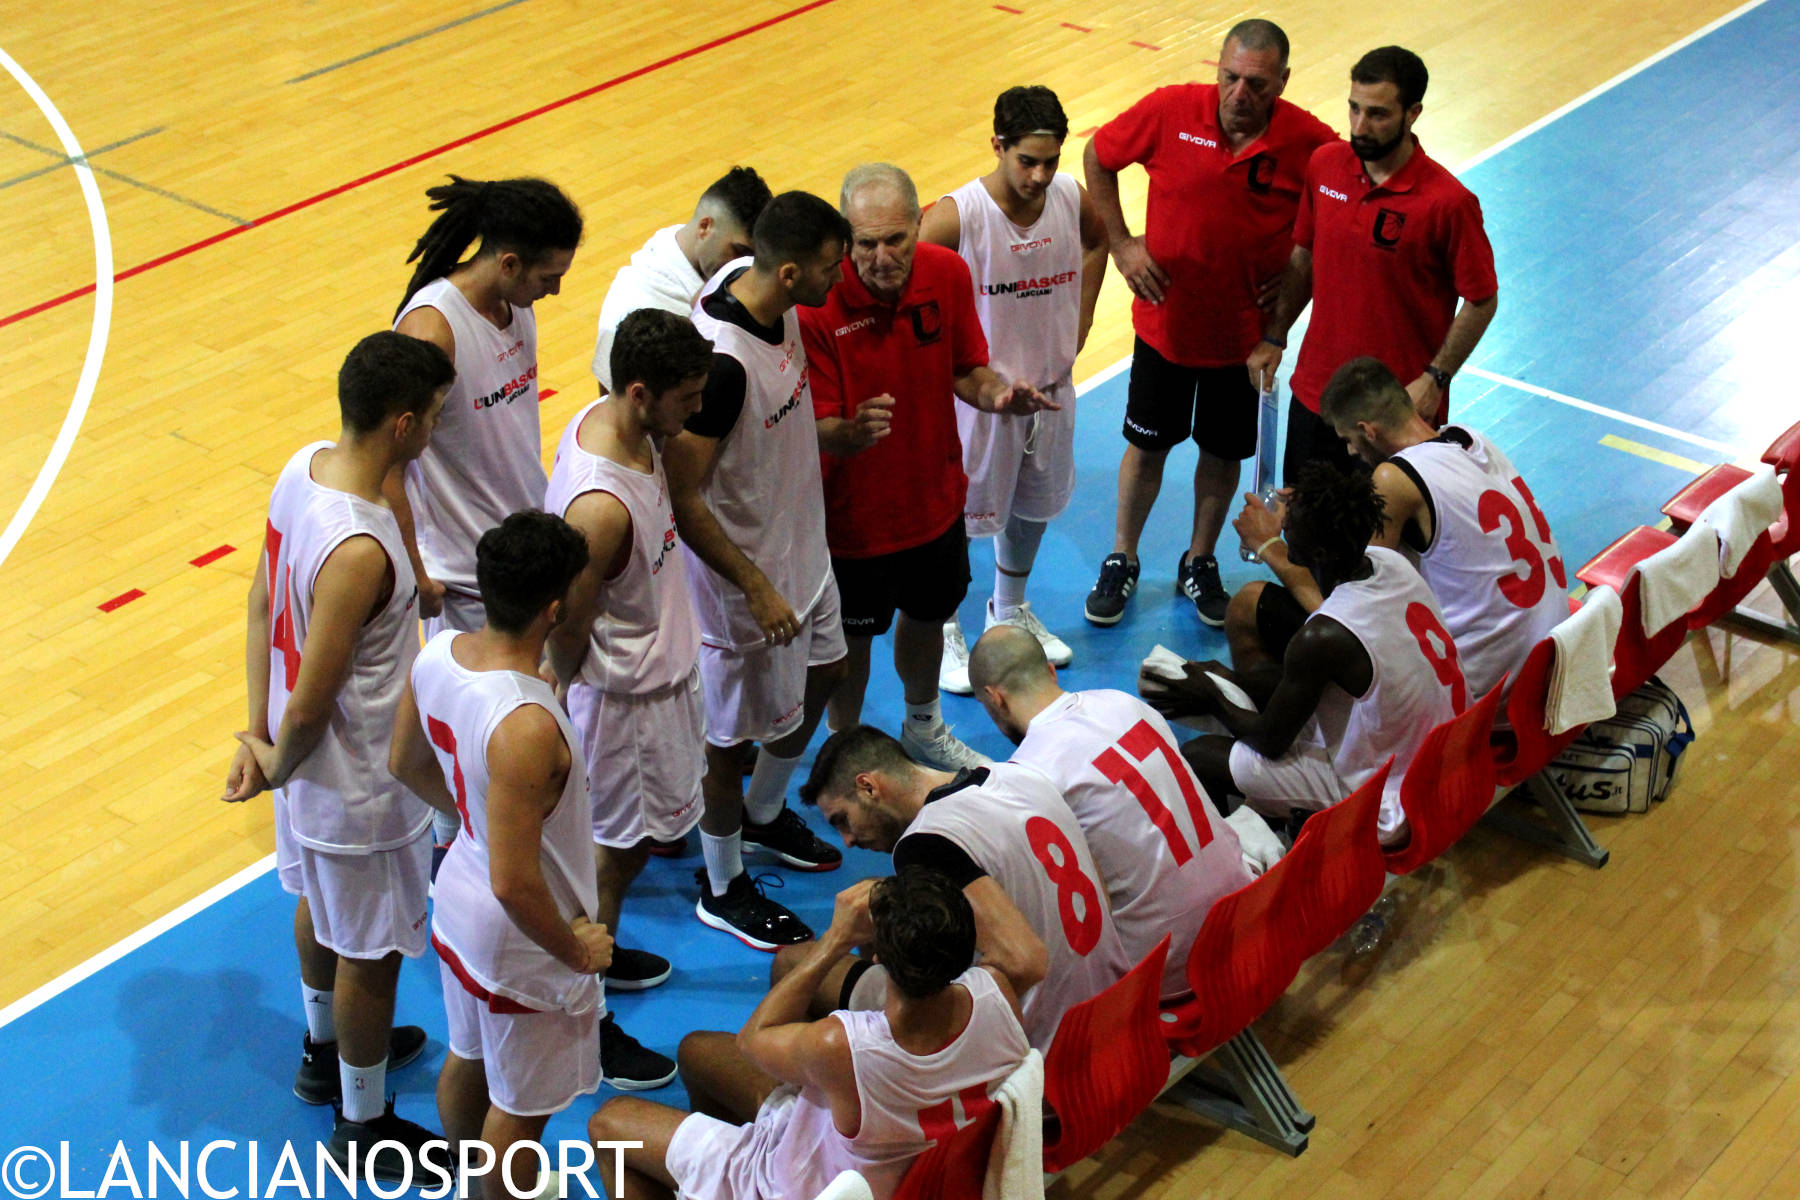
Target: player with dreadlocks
(1369, 674)
(486, 460)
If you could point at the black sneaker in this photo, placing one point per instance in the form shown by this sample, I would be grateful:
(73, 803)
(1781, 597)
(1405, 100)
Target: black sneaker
(1198, 580)
(748, 915)
(353, 1142)
(628, 1064)
(318, 1081)
(635, 970)
(1118, 579)
(788, 838)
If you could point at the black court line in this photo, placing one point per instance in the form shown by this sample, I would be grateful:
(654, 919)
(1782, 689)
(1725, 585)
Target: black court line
(63, 160)
(165, 193)
(405, 41)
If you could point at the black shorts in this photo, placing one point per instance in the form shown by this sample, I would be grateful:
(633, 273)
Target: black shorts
(926, 582)
(1167, 401)
(1278, 618)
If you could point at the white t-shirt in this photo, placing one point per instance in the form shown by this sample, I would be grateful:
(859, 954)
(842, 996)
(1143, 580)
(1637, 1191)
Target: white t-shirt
(341, 799)
(645, 638)
(461, 709)
(485, 459)
(1492, 562)
(658, 276)
(1163, 851)
(1013, 824)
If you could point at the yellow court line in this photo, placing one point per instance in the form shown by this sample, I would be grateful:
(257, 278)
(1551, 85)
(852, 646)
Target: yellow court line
(1653, 454)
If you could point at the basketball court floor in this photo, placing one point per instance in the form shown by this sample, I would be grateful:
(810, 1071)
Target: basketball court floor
(203, 208)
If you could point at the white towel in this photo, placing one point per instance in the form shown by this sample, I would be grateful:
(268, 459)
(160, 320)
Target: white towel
(1257, 843)
(1016, 1164)
(1742, 515)
(1678, 577)
(1581, 677)
(849, 1185)
(1163, 664)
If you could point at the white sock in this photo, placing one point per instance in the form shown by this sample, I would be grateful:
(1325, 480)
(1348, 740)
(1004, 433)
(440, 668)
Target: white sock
(1009, 594)
(928, 715)
(767, 793)
(365, 1090)
(444, 827)
(319, 1025)
(724, 859)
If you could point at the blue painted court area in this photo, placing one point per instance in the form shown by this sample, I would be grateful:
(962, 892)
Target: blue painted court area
(1646, 247)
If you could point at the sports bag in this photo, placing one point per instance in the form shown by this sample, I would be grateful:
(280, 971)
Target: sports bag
(1626, 762)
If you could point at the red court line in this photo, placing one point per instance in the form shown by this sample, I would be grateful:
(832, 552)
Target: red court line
(211, 556)
(545, 393)
(1014, 11)
(415, 160)
(122, 599)
(1146, 46)
(1076, 28)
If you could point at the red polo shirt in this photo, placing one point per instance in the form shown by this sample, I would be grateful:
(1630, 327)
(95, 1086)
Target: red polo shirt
(1389, 262)
(1220, 224)
(907, 488)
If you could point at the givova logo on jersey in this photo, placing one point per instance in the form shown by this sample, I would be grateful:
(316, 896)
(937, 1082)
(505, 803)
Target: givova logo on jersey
(1021, 288)
(509, 391)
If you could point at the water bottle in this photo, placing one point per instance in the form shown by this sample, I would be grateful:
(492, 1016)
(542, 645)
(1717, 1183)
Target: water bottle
(1267, 496)
(1268, 423)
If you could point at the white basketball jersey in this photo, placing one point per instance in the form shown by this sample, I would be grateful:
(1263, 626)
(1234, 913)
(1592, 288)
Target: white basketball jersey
(1027, 281)
(1015, 825)
(1492, 562)
(908, 1100)
(1416, 683)
(461, 709)
(1163, 851)
(485, 460)
(341, 799)
(645, 638)
(765, 488)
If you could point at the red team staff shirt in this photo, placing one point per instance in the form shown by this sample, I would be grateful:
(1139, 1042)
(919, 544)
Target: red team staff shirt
(1219, 224)
(1389, 261)
(907, 488)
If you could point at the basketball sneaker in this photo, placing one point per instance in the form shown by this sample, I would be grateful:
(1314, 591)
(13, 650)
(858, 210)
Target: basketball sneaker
(635, 970)
(1118, 579)
(628, 1064)
(788, 838)
(748, 915)
(355, 1142)
(318, 1082)
(937, 747)
(953, 676)
(1055, 649)
(1198, 580)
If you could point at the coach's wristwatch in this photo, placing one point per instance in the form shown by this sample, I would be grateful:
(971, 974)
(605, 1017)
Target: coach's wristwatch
(1439, 376)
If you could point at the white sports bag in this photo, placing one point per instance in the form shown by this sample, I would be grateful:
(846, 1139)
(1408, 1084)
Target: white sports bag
(1627, 761)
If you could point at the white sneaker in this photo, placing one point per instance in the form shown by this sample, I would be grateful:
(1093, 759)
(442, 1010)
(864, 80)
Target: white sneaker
(938, 747)
(1055, 649)
(953, 676)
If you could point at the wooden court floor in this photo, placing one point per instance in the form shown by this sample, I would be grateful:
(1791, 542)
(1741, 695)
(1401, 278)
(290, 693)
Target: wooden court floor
(1527, 1031)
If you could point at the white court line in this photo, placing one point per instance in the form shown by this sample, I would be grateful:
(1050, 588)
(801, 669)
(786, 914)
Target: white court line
(212, 895)
(118, 950)
(103, 299)
(1602, 410)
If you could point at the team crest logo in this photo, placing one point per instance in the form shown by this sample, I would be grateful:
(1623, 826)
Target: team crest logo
(1262, 173)
(1388, 225)
(927, 323)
